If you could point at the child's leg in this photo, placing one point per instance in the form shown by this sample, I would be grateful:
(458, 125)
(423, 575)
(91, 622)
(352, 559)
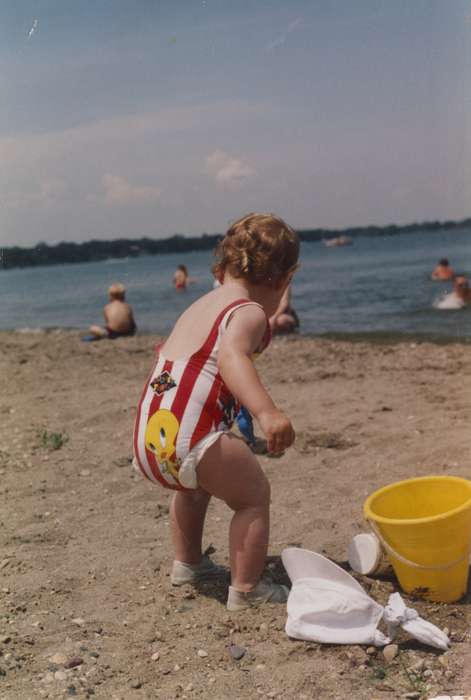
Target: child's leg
(187, 514)
(98, 331)
(231, 472)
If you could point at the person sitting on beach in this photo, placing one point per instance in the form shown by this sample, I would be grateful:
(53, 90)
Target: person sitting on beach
(285, 319)
(204, 369)
(443, 271)
(462, 290)
(118, 315)
(180, 277)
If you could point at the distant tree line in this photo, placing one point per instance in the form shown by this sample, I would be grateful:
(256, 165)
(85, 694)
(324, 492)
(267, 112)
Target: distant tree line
(94, 250)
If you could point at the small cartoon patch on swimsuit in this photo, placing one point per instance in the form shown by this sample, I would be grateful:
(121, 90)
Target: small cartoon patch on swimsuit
(162, 383)
(161, 438)
(229, 410)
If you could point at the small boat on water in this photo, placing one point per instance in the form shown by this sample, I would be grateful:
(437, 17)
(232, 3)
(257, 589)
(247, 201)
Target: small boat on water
(337, 241)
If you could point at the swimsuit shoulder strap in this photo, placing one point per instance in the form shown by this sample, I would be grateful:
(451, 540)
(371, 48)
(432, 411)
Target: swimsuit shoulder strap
(265, 342)
(229, 310)
(220, 324)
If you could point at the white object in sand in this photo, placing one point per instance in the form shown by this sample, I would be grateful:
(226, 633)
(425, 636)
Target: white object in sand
(365, 554)
(327, 605)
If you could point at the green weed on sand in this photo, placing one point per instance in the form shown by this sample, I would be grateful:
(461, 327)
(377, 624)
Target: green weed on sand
(52, 441)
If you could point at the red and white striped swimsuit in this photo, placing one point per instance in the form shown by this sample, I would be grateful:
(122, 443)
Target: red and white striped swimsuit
(185, 404)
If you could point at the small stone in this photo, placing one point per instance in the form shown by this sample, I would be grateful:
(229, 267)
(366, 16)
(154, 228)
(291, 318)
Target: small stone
(78, 621)
(58, 659)
(202, 653)
(419, 666)
(272, 694)
(390, 652)
(236, 652)
(135, 684)
(176, 668)
(260, 667)
(189, 688)
(60, 675)
(443, 661)
(71, 690)
(264, 628)
(85, 472)
(155, 656)
(94, 654)
(413, 695)
(73, 662)
(4, 639)
(371, 651)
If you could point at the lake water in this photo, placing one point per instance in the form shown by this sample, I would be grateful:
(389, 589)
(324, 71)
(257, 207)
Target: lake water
(376, 286)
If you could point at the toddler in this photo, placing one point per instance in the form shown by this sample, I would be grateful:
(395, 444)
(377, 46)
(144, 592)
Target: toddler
(118, 316)
(202, 372)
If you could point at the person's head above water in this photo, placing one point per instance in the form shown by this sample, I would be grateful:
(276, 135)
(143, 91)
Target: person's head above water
(117, 291)
(259, 248)
(443, 262)
(461, 282)
(462, 289)
(183, 268)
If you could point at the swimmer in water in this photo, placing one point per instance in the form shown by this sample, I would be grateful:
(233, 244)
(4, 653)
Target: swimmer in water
(443, 271)
(462, 290)
(180, 277)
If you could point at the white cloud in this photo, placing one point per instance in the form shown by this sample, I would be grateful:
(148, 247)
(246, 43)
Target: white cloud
(294, 24)
(229, 172)
(118, 190)
(44, 194)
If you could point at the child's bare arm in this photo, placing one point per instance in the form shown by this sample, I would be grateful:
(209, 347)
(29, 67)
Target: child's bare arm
(242, 337)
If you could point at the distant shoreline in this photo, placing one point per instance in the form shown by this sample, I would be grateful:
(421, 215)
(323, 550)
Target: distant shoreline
(97, 250)
(355, 337)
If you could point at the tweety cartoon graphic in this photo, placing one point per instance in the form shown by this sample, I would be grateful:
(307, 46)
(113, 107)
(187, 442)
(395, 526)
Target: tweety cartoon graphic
(161, 436)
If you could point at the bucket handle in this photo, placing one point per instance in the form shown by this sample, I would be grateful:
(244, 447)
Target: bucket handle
(414, 564)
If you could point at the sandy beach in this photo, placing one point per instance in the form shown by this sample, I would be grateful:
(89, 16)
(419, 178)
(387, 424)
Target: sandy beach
(87, 606)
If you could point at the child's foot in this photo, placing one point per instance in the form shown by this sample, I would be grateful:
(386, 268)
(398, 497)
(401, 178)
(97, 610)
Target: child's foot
(190, 573)
(264, 592)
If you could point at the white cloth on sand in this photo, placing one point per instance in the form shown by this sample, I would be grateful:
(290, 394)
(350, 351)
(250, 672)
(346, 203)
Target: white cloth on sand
(328, 605)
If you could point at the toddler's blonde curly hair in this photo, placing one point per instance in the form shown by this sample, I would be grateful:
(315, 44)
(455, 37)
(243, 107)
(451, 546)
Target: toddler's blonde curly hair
(260, 248)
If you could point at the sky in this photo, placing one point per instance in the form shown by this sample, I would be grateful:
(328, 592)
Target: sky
(131, 118)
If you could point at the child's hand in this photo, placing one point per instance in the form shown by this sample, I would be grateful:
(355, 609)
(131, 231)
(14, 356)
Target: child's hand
(277, 429)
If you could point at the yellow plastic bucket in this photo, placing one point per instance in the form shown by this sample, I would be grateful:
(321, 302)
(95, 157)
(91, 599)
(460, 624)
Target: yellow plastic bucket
(424, 525)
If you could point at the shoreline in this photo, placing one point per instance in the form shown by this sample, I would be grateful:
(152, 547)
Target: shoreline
(354, 337)
(184, 244)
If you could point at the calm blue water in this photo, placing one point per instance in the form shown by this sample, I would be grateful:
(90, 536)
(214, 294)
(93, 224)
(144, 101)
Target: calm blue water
(378, 285)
